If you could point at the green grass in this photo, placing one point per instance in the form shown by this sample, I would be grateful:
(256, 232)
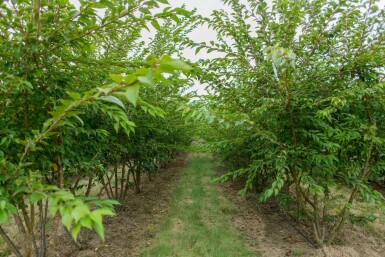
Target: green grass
(197, 222)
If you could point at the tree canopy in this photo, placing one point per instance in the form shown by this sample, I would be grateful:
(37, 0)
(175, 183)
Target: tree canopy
(296, 106)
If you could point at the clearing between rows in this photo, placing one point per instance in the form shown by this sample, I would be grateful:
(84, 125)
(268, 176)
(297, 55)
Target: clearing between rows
(182, 213)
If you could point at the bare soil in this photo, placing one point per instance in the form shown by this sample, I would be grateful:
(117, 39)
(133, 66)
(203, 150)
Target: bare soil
(271, 233)
(137, 221)
(267, 230)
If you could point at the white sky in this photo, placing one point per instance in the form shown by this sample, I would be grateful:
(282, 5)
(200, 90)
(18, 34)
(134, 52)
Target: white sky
(204, 7)
(201, 34)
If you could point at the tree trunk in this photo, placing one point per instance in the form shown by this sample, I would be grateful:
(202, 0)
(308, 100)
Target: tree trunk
(89, 186)
(116, 168)
(138, 179)
(122, 181)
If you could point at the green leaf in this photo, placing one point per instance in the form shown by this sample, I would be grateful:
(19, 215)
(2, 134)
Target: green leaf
(148, 79)
(28, 84)
(97, 217)
(11, 208)
(74, 95)
(116, 126)
(132, 93)
(67, 219)
(118, 78)
(175, 18)
(79, 212)
(53, 208)
(108, 4)
(35, 197)
(168, 64)
(2, 204)
(145, 10)
(182, 11)
(21, 189)
(198, 50)
(156, 25)
(112, 99)
(87, 222)
(79, 119)
(4, 216)
(98, 228)
(76, 230)
(145, 80)
(129, 79)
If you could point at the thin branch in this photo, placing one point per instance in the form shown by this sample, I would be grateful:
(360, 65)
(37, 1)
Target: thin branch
(9, 242)
(72, 19)
(38, 19)
(96, 29)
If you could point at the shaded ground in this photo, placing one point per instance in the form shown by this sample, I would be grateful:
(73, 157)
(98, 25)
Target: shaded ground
(265, 229)
(136, 222)
(201, 222)
(272, 233)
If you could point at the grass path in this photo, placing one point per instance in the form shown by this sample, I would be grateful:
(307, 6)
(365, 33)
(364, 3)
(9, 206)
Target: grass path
(197, 222)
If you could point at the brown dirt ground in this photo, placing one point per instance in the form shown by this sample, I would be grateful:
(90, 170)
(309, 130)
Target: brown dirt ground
(268, 231)
(137, 221)
(265, 227)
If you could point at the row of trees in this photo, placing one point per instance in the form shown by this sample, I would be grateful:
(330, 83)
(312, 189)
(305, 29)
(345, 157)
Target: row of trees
(297, 106)
(298, 103)
(84, 100)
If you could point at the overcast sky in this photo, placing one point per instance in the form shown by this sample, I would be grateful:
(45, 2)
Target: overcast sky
(205, 7)
(202, 34)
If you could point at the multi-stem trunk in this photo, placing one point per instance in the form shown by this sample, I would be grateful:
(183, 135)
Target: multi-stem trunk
(340, 222)
(89, 186)
(318, 221)
(116, 170)
(138, 181)
(122, 181)
(137, 176)
(43, 211)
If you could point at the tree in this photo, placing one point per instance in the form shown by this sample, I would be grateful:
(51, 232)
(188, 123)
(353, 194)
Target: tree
(298, 102)
(58, 75)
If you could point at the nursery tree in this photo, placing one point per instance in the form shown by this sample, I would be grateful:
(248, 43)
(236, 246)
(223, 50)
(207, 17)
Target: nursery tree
(298, 104)
(55, 86)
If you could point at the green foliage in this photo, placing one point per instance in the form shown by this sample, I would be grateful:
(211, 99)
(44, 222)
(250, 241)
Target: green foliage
(75, 93)
(297, 104)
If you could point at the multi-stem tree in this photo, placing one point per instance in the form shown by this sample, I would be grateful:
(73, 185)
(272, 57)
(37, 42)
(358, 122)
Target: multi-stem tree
(55, 91)
(299, 101)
